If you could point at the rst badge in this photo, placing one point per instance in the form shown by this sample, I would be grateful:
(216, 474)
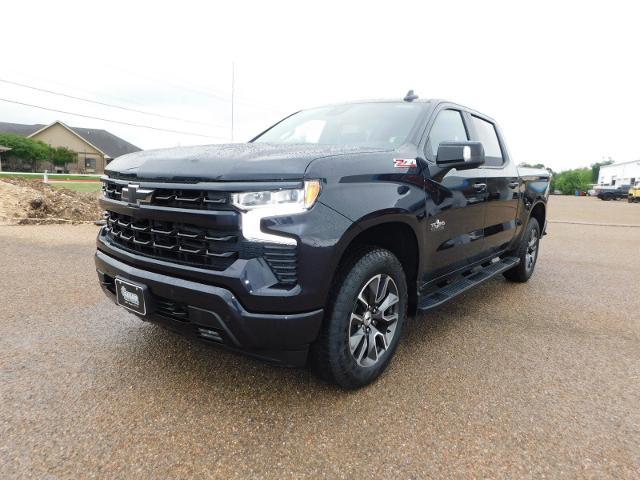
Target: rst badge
(404, 162)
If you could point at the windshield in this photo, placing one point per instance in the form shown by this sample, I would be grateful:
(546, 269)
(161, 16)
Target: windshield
(364, 124)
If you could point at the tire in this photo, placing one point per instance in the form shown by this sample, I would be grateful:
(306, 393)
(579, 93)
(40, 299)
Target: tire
(353, 348)
(527, 252)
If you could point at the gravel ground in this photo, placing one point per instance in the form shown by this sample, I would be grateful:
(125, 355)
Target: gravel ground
(509, 381)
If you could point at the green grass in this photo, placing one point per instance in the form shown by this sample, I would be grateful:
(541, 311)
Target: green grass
(52, 176)
(78, 187)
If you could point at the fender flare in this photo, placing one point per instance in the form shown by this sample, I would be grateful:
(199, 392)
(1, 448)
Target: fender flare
(539, 201)
(376, 219)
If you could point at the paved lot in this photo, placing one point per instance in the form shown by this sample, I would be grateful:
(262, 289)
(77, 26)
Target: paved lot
(509, 381)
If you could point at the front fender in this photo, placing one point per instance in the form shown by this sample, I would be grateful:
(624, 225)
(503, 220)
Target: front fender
(370, 191)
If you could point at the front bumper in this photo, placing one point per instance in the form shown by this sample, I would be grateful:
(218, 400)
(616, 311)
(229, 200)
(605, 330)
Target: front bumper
(214, 314)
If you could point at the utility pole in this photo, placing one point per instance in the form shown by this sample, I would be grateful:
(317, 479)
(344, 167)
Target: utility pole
(233, 81)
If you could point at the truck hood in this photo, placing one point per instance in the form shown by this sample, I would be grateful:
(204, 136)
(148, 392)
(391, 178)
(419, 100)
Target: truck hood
(229, 162)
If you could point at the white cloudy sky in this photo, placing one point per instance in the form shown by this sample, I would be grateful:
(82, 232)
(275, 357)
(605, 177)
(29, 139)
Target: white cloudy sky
(562, 78)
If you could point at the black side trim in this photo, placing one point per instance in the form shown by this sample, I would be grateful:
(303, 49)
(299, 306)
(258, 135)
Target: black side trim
(470, 280)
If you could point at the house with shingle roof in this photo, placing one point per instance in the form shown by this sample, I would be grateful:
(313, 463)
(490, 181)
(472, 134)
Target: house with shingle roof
(94, 148)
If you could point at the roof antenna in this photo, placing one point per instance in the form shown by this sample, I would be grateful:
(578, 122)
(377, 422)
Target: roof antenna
(410, 96)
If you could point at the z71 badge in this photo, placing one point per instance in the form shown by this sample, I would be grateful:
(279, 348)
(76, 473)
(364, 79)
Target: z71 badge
(404, 162)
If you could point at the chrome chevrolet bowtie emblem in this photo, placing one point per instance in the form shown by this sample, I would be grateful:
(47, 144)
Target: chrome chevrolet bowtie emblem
(134, 195)
(438, 225)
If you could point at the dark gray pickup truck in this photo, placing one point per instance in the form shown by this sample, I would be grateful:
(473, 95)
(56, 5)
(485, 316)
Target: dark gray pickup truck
(612, 192)
(311, 243)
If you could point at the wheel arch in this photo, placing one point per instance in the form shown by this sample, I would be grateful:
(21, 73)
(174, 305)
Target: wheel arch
(539, 212)
(394, 233)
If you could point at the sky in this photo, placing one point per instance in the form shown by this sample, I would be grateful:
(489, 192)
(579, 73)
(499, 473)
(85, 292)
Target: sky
(561, 78)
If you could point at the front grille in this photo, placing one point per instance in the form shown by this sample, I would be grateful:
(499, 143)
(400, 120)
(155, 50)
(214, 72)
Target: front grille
(177, 242)
(192, 199)
(197, 246)
(180, 225)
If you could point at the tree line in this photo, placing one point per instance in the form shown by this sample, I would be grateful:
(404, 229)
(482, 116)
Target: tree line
(35, 151)
(568, 181)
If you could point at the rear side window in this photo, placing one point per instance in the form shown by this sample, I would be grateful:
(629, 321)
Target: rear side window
(448, 127)
(486, 132)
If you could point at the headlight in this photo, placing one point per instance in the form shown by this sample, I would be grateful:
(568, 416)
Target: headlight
(303, 198)
(257, 205)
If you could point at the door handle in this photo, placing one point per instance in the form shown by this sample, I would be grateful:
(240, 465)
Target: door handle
(480, 187)
(514, 184)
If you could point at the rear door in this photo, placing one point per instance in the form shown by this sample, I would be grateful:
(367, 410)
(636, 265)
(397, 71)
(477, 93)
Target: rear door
(455, 201)
(503, 185)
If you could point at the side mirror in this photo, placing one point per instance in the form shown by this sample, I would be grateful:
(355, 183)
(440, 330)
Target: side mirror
(460, 155)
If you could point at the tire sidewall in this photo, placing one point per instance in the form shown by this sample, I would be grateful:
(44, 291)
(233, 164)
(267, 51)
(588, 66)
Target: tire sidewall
(532, 225)
(344, 367)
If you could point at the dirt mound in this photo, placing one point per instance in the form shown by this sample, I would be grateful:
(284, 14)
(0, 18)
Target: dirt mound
(24, 201)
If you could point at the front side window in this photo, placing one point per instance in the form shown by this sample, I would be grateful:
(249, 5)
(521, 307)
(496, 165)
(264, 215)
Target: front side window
(486, 132)
(448, 127)
(376, 124)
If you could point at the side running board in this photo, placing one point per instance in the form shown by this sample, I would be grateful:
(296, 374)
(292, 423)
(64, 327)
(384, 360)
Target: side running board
(473, 278)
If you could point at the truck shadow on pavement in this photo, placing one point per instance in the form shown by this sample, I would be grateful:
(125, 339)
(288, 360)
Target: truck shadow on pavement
(169, 358)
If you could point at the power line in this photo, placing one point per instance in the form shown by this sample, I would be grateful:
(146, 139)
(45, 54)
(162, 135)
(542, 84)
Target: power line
(77, 88)
(110, 121)
(111, 105)
(199, 91)
(175, 85)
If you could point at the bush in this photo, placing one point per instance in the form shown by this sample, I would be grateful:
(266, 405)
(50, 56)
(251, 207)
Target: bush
(571, 180)
(25, 148)
(34, 151)
(62, 155)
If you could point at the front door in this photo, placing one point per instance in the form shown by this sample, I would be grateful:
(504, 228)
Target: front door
(455, 203)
